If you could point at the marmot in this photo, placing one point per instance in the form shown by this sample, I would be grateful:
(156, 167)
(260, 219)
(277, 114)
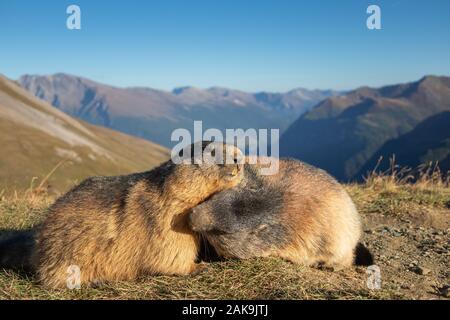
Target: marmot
(115, 228)
(301, 214)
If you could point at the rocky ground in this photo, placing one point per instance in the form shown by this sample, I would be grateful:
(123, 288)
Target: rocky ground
(408, 230)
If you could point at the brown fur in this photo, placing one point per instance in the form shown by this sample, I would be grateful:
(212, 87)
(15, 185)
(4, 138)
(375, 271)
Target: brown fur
(300, 214)
(117, 228)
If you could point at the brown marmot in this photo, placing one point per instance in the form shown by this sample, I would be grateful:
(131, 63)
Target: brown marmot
(301, 214)
(116, 228)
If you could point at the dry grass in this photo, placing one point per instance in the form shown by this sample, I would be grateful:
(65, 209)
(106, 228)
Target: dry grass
(402, 190)
(426, 176)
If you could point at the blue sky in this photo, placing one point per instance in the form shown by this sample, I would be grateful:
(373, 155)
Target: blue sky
(247, 44)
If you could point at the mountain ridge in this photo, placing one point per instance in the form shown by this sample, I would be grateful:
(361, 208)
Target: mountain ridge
(153, 114)
(341, 133)
(427, 144)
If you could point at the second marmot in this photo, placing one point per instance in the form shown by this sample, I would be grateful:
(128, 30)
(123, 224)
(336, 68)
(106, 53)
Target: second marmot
(300, 214)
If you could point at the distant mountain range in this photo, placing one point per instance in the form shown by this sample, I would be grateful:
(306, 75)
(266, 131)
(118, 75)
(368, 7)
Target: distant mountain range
(35, 137)
(346, 135)
(343, 133)
(154, 114)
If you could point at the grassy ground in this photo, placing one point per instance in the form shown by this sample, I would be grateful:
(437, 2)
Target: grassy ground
(406, 226)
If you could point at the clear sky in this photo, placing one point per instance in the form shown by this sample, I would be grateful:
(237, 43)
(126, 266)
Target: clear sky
(243, 44)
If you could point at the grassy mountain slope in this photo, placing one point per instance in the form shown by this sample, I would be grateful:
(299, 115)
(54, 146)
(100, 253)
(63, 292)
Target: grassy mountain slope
(428, 142)
(35, 137)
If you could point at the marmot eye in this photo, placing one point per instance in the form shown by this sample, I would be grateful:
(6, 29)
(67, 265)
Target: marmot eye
(235, 160)
(213, 152)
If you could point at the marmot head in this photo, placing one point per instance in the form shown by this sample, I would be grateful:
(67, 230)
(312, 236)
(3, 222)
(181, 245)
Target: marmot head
(243, 221)
(246, 208)
(209, 167)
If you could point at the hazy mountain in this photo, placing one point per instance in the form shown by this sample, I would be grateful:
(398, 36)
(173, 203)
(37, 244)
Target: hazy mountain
(342, 133)
(35, 137)
(428, 142)
(154, 114)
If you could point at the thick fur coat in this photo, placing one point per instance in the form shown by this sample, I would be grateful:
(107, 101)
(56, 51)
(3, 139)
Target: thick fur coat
(116, 228)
